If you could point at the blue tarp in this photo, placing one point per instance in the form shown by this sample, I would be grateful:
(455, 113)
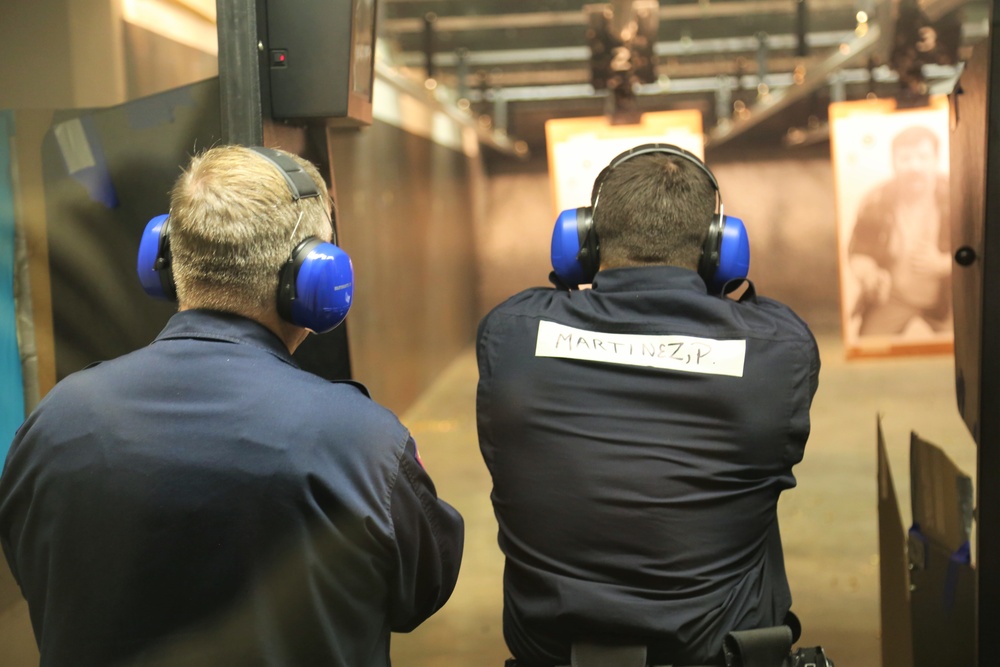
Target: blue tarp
(11, 383)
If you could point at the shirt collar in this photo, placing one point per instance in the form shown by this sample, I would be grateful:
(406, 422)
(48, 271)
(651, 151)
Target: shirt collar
(227, 327)
(644, 278)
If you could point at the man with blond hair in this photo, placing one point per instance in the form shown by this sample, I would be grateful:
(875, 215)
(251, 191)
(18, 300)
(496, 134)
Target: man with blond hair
(204, 501)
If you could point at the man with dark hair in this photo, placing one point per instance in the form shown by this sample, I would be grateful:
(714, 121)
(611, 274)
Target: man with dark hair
(900, 249)
(204, 502)
(640, 432)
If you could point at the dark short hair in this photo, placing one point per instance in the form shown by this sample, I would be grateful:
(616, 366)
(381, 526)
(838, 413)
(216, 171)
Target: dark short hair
(654, 209)
(914, 135)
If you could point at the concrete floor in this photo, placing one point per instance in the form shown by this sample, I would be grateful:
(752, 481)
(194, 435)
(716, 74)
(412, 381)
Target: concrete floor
(829, 522)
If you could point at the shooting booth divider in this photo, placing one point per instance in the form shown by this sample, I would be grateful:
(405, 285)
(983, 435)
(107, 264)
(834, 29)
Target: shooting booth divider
(927, 578)
(974, 117)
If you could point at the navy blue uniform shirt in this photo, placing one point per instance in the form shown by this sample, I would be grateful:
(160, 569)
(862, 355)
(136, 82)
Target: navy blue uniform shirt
(203, 501)
(639, 434)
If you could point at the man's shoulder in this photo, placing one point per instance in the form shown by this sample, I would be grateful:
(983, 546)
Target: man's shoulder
(526, 298)
(336, 400)
(782, 313)
(533, 301)
(308, 413)
(286, 383)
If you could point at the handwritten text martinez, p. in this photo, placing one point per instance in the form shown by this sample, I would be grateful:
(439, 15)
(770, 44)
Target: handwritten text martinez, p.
(689, 354)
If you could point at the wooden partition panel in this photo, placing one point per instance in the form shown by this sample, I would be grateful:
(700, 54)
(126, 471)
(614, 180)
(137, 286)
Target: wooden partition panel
(406, 209)
(976, 243)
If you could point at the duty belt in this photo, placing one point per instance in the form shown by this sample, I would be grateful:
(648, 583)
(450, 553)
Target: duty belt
(762, 647)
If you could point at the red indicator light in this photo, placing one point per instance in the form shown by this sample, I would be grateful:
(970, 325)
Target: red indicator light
(279, 58)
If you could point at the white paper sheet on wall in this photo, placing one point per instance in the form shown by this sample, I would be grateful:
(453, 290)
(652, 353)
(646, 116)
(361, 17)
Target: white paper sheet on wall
(579, 148)
(862, 133)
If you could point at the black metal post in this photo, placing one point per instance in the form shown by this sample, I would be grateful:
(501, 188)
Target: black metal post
(239, 71)
(801, 28)
(462, 73)
(429, 19)
(762, 55)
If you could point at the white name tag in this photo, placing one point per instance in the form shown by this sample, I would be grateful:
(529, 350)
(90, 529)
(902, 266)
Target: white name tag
(678, 353)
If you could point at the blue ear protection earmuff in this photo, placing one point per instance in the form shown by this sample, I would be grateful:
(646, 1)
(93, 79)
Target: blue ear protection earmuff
(154, 260)
(570, 254)
(575, 248)
(315, 285)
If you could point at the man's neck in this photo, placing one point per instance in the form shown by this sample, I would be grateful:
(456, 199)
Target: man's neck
(290, 334)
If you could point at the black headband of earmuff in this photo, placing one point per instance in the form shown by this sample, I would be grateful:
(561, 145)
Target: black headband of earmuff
(648, 149)
(300, 183)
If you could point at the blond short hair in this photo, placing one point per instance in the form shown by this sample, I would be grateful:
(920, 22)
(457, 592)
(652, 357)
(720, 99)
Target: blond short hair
(233, 223)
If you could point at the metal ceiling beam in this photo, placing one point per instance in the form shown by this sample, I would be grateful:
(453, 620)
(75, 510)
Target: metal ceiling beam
(875, 39)
(562, 54)
(580, 74)
(570, 65)
(816, 77)
(834, 52)
(941, 82)
(703, 84)
(699, 10)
